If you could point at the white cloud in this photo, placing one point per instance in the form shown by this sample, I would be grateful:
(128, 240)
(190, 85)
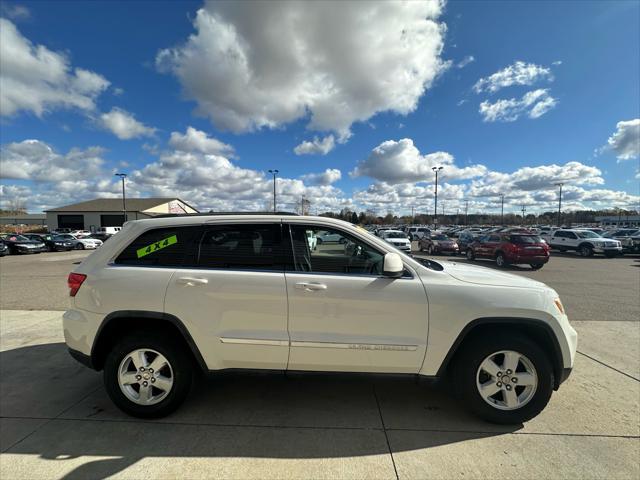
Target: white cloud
(124, 125)
(625, 141)
(337, 63)
(534, 104)
(329, 176)
(36, 79)
(316, 147)
(400, 161)
(465, 61)
(519, 73)
(14, 11)
(194, 140)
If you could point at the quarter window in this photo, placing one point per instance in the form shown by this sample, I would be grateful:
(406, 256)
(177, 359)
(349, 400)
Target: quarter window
(326, 250)
(161, 247)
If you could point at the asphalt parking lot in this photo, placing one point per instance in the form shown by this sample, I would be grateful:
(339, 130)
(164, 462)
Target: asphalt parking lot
(57, 422)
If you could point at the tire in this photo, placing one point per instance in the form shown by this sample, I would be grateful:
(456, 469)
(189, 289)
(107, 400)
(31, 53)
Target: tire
(467, 374)
(585, 251)
(501, 261)
(180, 371)
(430, 250)
(470, 255)
(537, 266)
(79, 246)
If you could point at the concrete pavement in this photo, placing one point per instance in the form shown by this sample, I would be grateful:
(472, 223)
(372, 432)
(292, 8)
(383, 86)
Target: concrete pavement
(57, 422)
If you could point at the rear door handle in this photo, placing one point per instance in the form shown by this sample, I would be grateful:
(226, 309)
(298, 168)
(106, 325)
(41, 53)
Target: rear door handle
(192, 281)
(311, 286)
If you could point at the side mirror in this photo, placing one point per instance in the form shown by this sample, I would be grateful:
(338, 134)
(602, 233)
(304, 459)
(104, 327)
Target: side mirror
(393, 266)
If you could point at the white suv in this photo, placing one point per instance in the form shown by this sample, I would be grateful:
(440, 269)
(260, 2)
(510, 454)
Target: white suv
(168, 297)
(585, 242)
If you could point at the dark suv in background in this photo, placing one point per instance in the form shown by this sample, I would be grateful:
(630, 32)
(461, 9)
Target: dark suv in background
(514, 248)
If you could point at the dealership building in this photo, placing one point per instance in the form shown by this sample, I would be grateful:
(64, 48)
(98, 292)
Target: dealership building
(108, 212)
(622, 221)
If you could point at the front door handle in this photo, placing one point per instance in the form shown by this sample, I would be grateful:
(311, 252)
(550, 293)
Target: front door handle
(192, 281)
(311, 286)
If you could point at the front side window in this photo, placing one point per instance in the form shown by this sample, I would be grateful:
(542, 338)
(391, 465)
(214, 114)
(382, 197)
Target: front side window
(240, 247)
(588, 234)
(160, 247)
(344, 254)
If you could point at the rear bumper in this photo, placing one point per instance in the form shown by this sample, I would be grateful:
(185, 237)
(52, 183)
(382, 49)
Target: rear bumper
(528, 259)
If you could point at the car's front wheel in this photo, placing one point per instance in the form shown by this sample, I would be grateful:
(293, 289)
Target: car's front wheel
(586, 251)
(148, 375)
(79, 246)
(504, 379)
(537, 266)
(470, 255)
(501, 261)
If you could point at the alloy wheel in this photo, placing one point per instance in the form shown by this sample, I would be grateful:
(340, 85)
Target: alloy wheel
(507, 380)
(145, 376)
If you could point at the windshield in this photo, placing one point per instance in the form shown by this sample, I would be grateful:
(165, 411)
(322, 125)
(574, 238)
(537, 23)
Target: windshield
(588, 234)
(395, 235)
(439, 237)
(525, 239)
(59, 238)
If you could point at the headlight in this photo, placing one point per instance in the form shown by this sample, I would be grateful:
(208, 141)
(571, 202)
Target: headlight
(558, 304)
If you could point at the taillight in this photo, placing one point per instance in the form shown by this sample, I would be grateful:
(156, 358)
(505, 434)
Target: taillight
(75, 282)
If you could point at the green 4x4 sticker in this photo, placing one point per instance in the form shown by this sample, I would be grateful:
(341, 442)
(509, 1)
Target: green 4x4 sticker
(159, 245)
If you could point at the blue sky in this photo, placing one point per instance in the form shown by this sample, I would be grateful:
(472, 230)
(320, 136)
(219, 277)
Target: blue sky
(200, 100)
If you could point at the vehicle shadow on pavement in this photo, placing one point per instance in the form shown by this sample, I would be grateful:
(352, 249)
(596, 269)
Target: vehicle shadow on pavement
(228, 415)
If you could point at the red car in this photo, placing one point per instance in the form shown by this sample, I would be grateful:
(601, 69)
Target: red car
(512, 248)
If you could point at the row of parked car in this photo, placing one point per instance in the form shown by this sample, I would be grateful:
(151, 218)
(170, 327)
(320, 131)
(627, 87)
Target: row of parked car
(509, 245)
(58, 241)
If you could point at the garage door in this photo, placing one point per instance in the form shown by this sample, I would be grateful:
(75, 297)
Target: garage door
(111, 220)
(75, 222)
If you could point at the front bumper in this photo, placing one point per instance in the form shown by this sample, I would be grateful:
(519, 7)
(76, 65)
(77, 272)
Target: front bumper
(607, 249)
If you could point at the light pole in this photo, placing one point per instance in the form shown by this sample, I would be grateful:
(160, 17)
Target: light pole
(559, 184)
(274, 173)
(466, 212)
(524, 210)
(502, 209)
(435, 208)
(124, 201)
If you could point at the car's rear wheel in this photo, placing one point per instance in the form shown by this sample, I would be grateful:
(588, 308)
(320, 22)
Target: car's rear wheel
(501, 261)
(537, 266)
(504, 379)
(148, 375)
(430, 250)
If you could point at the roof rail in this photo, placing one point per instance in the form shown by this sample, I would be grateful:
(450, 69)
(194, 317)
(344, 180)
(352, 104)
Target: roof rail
(167, 215)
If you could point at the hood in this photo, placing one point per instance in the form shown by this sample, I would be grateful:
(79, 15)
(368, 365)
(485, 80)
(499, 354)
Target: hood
(488, 276)
(398, 240)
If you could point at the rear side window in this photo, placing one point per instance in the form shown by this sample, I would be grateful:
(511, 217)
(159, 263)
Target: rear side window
(161, 247)
(239, 247)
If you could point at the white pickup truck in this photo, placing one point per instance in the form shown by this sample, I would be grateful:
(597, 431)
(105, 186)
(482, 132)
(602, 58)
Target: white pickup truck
(585, 242)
